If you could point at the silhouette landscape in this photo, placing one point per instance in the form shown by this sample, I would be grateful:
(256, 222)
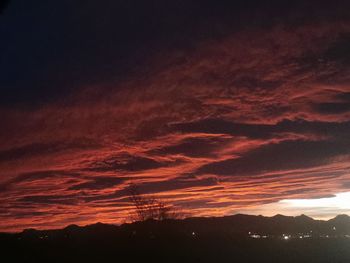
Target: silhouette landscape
(237, 238)
(194, 130)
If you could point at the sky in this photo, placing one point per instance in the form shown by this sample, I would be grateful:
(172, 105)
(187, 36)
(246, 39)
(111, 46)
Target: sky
(214, 108)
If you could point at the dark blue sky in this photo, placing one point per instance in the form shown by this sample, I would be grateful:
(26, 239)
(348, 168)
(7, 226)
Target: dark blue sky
(49, 49)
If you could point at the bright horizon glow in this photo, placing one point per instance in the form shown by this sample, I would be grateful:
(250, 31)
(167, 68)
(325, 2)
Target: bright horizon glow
(320, 208)
(340, 201)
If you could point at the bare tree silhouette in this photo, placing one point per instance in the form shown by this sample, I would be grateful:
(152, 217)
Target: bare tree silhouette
(149, 207)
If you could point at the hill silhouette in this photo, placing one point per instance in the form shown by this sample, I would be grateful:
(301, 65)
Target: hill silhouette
(238, 238)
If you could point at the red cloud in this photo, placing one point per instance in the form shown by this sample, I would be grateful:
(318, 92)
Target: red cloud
(203, 133)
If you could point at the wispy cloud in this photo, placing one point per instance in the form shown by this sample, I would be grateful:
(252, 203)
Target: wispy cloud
(233, 123)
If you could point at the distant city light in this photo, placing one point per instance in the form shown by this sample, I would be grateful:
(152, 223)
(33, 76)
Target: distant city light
(286, 237)
(255, 236)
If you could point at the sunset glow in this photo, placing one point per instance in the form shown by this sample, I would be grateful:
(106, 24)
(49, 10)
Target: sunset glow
(252, 119)
(318, 208)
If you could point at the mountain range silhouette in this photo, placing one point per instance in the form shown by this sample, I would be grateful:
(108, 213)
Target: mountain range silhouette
(237, 238)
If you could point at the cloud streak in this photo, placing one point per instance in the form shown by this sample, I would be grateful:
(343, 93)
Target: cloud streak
(223, 124)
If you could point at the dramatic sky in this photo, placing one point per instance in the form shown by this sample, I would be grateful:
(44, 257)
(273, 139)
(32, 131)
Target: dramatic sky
(215, 107)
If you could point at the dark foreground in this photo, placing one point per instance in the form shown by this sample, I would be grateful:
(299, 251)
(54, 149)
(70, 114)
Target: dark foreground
(219, 240)
(179, 250)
